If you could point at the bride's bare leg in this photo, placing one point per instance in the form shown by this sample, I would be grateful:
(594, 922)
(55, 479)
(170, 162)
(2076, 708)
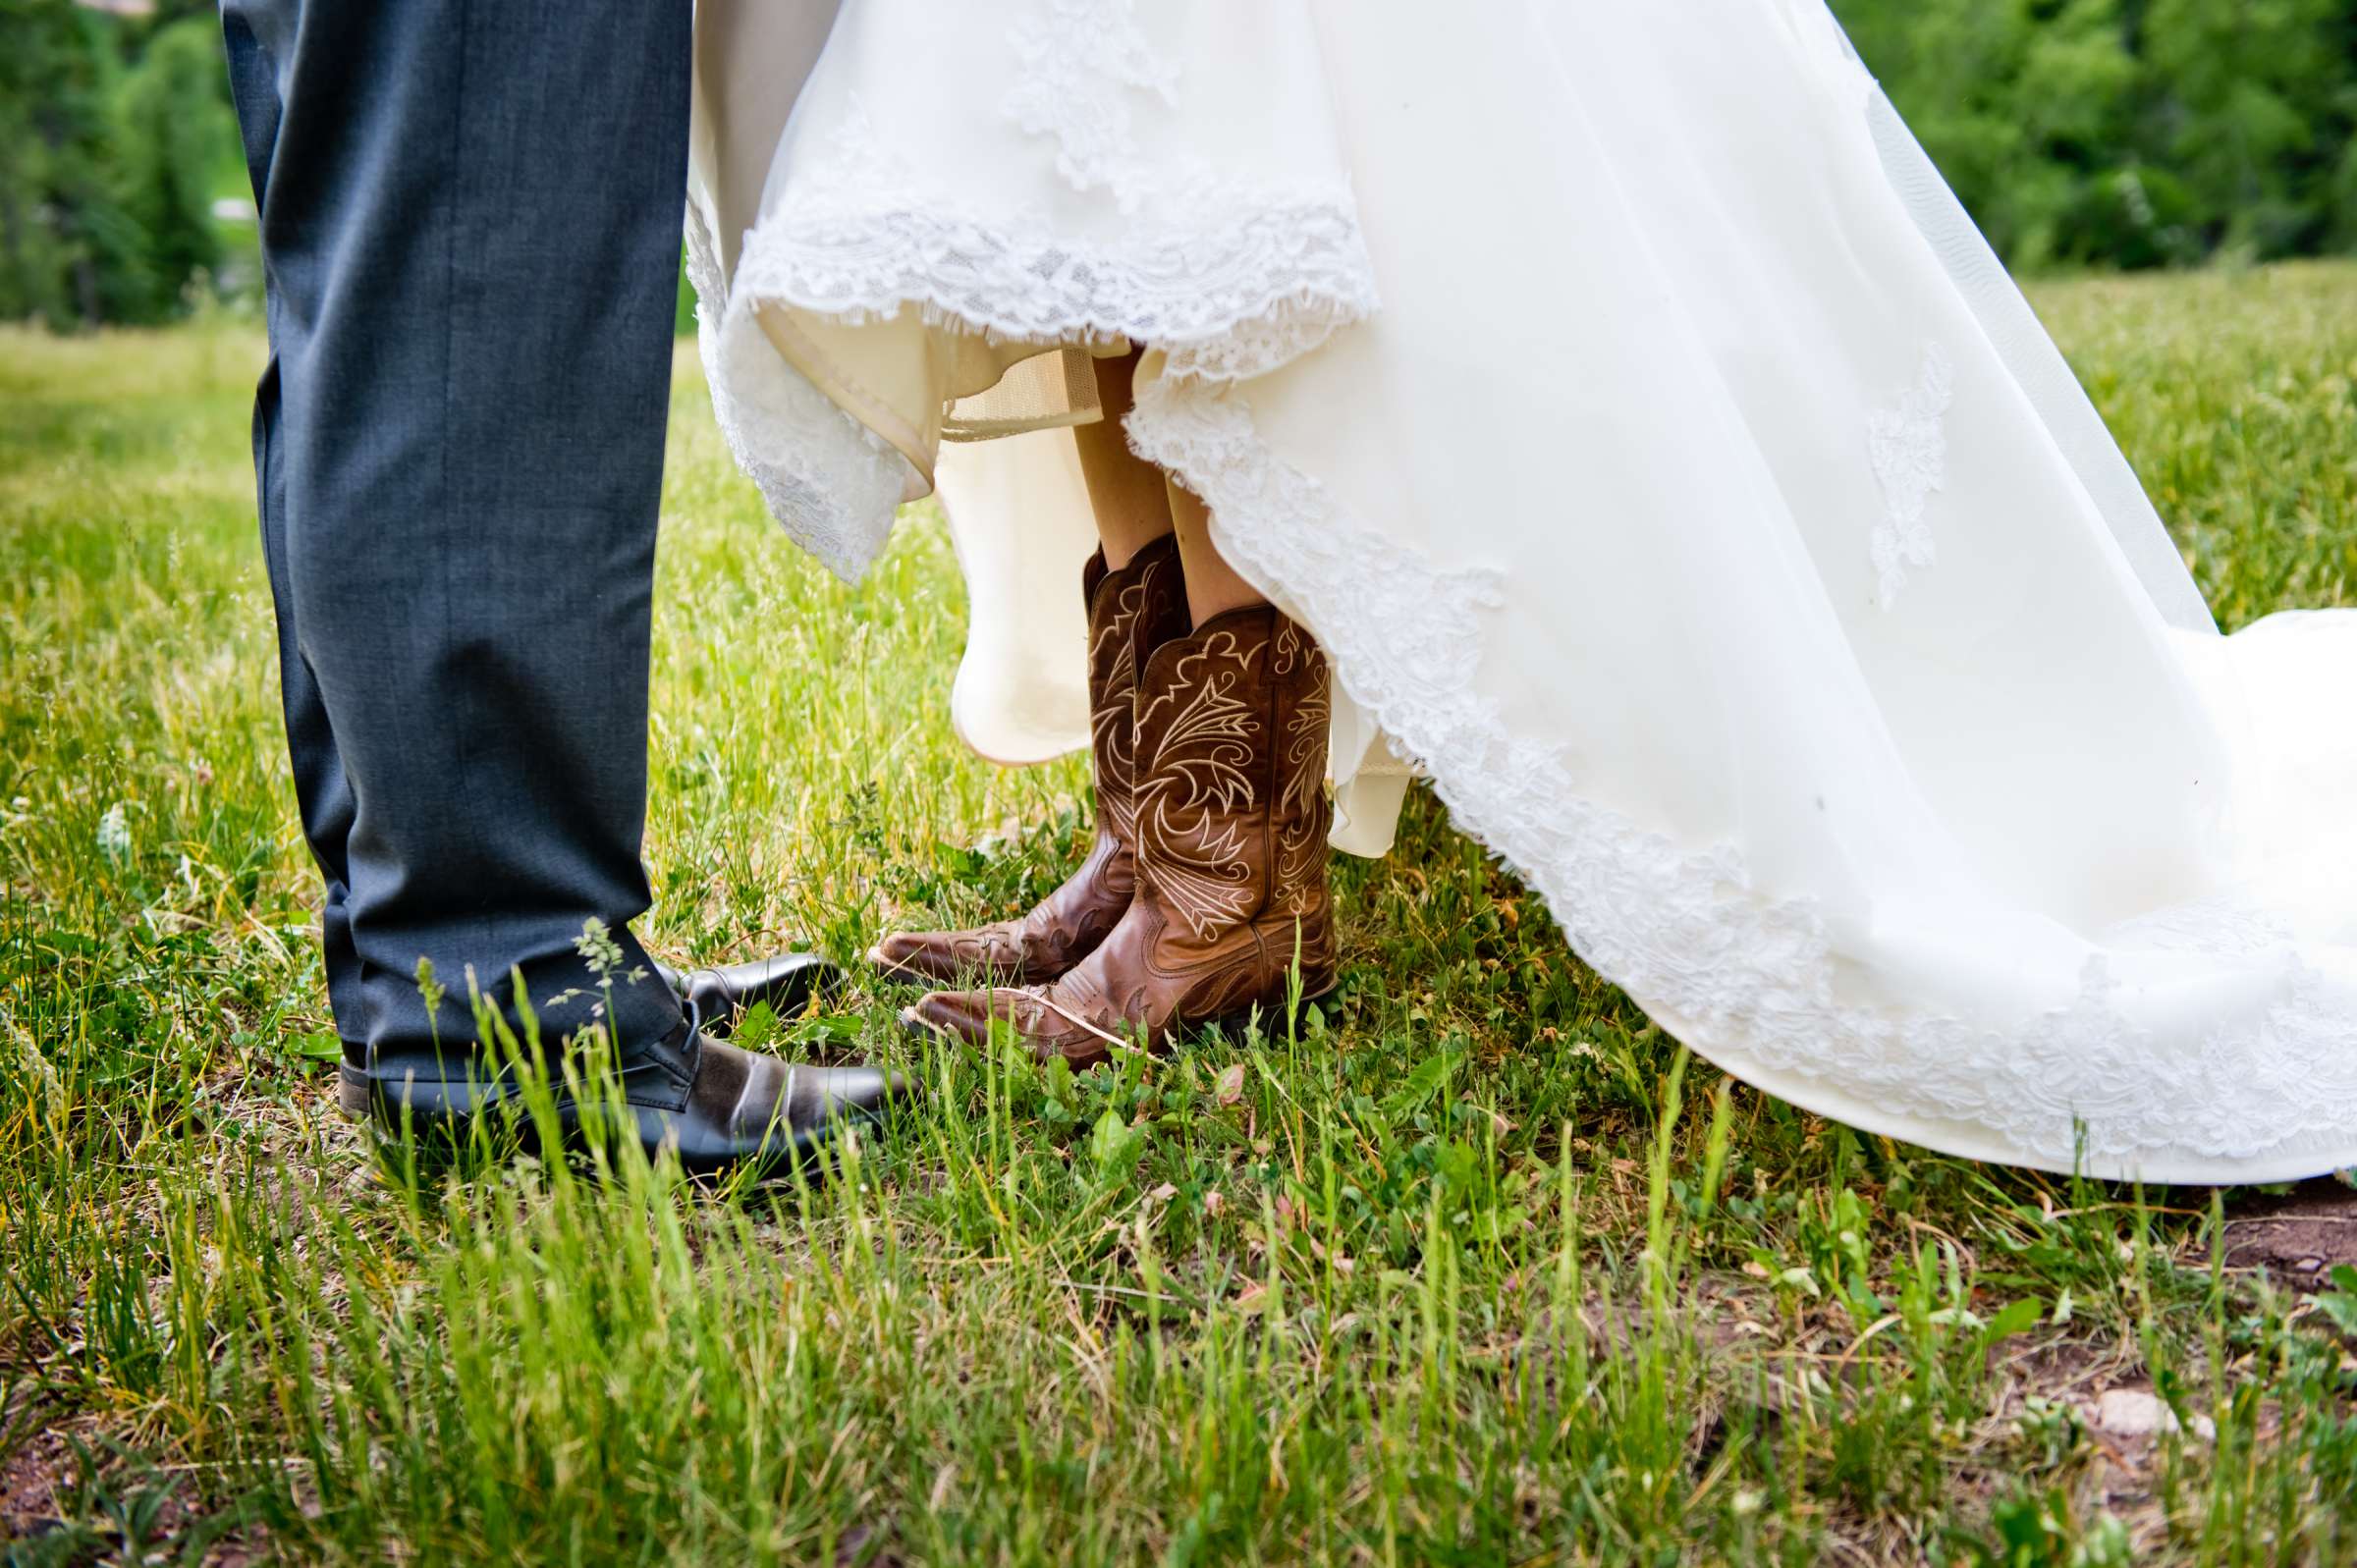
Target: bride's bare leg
(1212, 585)
(1125, 491)
(1136, 503)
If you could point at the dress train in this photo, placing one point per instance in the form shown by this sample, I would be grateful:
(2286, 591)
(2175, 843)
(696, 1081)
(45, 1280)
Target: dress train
(1667, 468)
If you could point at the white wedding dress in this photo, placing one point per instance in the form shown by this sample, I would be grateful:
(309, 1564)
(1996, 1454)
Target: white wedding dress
(1670, 471)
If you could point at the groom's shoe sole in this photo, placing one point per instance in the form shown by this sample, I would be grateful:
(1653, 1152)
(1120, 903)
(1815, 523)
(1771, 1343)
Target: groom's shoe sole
(437, 1118)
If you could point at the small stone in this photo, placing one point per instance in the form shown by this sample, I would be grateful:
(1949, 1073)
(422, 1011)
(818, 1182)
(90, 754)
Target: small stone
(2141, 1413)
(2132, 1413)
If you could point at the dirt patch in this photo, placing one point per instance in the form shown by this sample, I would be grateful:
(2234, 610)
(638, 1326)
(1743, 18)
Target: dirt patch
(144, 1514)
(28, 1484)
(2299, 1238)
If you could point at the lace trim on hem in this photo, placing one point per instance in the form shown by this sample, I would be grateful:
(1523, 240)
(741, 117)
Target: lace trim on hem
(2082, 1086)
(1239, 302)
(1271, 283)
(832, 483)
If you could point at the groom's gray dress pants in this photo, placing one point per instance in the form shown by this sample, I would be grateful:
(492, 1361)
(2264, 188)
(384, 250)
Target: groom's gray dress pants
(469, 217)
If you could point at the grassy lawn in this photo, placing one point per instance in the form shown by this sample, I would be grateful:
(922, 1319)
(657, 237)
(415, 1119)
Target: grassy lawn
(1480, 1274)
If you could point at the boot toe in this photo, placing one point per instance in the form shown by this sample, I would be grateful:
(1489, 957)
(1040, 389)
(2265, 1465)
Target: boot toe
(962, 1015)
(1045, 1029)
(921, 955)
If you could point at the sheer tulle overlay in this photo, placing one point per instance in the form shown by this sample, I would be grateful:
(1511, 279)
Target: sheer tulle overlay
(1668, 470)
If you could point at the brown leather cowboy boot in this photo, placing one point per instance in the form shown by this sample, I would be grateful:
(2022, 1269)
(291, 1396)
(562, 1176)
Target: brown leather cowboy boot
(1232, 823)
(1131, 613)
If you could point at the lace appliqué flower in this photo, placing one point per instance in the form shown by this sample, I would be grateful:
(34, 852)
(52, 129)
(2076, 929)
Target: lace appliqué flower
(1908, 445)
(1081, 60)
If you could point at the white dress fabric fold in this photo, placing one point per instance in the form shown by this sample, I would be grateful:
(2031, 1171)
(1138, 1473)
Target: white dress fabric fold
(1669, 472)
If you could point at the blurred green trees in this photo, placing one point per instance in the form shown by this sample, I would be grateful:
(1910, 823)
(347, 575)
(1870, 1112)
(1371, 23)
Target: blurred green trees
(175, 141)
(2131, 133)
(116, 138)
(2104, 133)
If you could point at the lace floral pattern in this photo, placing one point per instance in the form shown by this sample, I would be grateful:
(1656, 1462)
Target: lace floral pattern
(1080, 60)
(1230, 280)
(1908, 444)
(1754, 979)
(1270, 283)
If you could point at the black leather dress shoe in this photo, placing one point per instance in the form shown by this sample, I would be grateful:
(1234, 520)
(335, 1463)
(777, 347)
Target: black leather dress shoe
(787, 981)
(748, 1106)
(717, 1105)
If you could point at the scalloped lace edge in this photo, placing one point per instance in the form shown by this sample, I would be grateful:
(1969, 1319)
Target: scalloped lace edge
(1270, 283)
(1273, 284)
(832, 483)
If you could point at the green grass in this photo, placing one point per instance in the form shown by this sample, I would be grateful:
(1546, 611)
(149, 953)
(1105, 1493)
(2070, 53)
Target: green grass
(1480, 1274)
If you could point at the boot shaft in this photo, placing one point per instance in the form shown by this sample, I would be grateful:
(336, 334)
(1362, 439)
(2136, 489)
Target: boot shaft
(1229, 915)
(1232, 815)
(1131, 612)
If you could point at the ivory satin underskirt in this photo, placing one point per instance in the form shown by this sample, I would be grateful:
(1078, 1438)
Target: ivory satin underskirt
(986, 425)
